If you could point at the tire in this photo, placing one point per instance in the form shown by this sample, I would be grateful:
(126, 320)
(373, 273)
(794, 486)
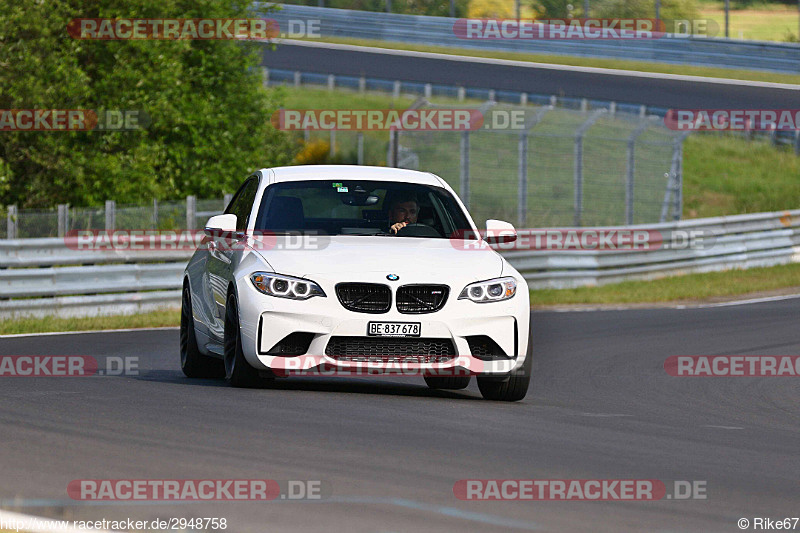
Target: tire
(515, 387)
(193, 363)
(238, 371)
(447, 382)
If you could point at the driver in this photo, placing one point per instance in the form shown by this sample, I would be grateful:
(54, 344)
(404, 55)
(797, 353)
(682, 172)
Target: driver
(403, 211)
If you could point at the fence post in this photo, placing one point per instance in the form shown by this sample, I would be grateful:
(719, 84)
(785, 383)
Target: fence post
(578, 170)
(553, 100)
(630, 170)
(394, 145)
(331, 82)
(360, 140)
(265, 76)
(396, 90)
(678, 213)
(63, 224)
(492, 95)
(462, 94)
(464, 169)
(428, 90)
(155, 213)
(191, 212)
(362, 84)
(332, 151)
(584, 105)
(522, 174)
(12, 222)
(111, 215)
(523, 99)
(297, 78)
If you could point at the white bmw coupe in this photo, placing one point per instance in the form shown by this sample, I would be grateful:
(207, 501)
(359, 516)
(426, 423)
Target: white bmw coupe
(353, 269)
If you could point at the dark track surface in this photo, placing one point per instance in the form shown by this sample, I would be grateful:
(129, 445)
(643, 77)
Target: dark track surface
(601, 407)
(660, 92)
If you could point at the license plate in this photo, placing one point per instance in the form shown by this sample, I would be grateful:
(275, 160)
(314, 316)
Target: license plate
(394, 329)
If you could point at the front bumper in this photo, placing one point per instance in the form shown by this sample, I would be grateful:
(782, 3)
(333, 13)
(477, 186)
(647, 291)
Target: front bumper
(267, 320)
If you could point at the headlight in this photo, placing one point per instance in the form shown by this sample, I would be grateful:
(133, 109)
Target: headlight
(493, 290)
(285, 286)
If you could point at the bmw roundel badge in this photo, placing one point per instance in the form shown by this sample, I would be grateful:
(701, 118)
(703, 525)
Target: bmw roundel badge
(392, 277)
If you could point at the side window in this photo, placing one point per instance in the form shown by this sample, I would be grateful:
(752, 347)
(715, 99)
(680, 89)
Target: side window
(242, 203)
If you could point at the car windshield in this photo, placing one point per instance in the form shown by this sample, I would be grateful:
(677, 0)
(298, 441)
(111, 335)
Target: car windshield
(359, 207)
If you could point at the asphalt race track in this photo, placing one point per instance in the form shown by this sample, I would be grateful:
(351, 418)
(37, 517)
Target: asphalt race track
(389, 450)
(656, 90)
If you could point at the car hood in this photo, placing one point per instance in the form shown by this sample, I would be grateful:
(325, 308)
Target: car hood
(344, 256)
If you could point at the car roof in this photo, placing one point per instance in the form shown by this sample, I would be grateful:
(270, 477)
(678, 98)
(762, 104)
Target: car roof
(352, 172)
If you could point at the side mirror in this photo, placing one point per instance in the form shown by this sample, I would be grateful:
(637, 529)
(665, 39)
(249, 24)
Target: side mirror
(220, 225)
(498, 232)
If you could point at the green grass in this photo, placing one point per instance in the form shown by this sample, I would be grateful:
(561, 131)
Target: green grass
(688, 288)
(154, 319)
(764, 22)
(640, 66)
(726, 175)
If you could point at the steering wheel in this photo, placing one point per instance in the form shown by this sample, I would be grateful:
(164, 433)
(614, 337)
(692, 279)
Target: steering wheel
(418, 230)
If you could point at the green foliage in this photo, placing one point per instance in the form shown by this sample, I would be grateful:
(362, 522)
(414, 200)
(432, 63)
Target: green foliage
(209, 112)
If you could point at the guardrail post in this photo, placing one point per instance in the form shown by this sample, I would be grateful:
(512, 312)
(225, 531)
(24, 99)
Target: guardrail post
(360, 140)
(362, 84)
(642, 111)
(331, 82)
(464, 169)
(584, 105)
(522, 174)
(428, 90)
(297, 78)
(332, 143)
(797, 142)
(11, 228)
(191, 212)
(63, 223)
(111, 215)
(155, 213)
(612, 108)
(523, 99)
(462, 94)
(630, 170)
(265, 76)
(553, 100)
(492, 95)
(678, 213)
(396, 90)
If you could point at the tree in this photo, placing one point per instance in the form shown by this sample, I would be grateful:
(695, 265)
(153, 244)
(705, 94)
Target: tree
(209, 112)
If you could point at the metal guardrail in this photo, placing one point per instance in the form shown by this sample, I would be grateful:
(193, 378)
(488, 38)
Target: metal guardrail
(34, 282)
(714, 52)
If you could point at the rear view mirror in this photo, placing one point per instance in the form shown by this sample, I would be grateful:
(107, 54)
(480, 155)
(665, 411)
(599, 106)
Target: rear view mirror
(498, 232)
(220, 224)
(359, 200)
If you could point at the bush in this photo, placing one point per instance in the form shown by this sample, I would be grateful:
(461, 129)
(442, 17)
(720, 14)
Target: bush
(205, 100)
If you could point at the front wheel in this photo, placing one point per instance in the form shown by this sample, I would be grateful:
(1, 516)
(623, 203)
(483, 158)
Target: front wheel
(515, 387)
(238, 371)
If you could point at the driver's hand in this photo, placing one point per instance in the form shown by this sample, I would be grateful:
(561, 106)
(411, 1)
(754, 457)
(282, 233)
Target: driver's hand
(394, 228)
